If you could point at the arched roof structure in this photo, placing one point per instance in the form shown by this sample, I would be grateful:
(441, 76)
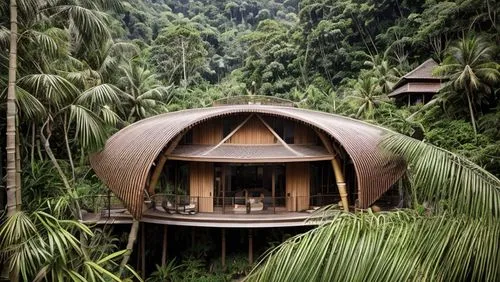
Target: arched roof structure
(128, 156)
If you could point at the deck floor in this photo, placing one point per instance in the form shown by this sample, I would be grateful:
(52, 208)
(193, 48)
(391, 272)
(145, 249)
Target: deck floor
(229, 219)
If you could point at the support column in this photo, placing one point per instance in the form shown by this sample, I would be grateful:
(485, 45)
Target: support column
(165, 242)
(339, 177)
(143, 252)
(192, 236)
(250, 246)
(273, 187)
(223, 247)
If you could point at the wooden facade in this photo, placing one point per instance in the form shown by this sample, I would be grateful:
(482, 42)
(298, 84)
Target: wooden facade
(201, 185)
(209, 133)
(304, 135)
(297, 186)
(252, 132)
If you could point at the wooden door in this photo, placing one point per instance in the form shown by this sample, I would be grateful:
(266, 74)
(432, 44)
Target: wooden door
(201, 185)
(297, 186)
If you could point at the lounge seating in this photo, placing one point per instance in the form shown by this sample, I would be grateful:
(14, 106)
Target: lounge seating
(182, 209)
(255, 203)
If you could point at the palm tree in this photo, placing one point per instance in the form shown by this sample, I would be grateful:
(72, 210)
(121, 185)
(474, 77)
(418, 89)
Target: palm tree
(454, 239)
(469, 67)
(367, 96)
(13, 193)
(382, 70)
(145, 96)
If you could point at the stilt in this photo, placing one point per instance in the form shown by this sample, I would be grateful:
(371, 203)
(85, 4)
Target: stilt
(192, 237)
(223, 248)
(143, 253)
(337, 170)
(340, 183)
(273, 188)
(250, 246)
(164, 251)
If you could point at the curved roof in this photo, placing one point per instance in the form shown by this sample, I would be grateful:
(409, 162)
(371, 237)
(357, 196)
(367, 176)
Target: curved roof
(128, 156)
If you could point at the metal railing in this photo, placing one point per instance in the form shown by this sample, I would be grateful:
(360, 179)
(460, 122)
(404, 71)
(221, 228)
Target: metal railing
(106, 204)
(102, 204)
(185, 204)
(253, 99)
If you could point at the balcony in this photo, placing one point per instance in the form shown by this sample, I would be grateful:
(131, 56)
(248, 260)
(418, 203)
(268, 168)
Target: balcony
(235, 212)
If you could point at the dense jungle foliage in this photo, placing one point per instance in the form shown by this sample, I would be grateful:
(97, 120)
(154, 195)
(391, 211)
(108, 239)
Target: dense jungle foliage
(86, 69)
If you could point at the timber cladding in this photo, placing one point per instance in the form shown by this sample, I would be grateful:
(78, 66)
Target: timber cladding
(208, 133)
(297, 186)
(129, 156)
(252, 132)
(201, 185)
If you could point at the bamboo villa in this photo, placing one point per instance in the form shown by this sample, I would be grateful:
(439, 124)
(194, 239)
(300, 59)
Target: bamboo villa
(246, 164)
(417, 86)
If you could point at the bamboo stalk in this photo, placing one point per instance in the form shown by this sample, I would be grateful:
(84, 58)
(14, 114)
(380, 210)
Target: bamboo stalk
(165, 242)
(223, 248)
(132, 236)
(250, 246)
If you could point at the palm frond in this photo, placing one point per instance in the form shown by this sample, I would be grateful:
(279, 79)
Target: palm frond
(447, 180)
(109, 116)
(100, 95)
(397, 246)
(54, 88)
(89, 23)
(29, 105)
(89, 127)
(51, 41)
(4, 37)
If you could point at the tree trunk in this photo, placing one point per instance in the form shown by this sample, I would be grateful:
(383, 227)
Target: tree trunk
(471, 110)
(48, 150)
(12, 201)
(130, 245)
(184, 84)
(13, 196)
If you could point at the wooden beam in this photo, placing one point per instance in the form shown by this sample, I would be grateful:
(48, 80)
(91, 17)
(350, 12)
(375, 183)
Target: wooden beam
(223, 247)
(339, 176)
(143, 251)
(250, 246)
(273, 187)
(193, 235)
(161, 163)
(325, 141)
(278, 137)
(165, 246)
(230, 134)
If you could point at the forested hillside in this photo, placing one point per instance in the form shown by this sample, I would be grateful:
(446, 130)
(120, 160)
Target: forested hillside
(86, 69)
(335, 56)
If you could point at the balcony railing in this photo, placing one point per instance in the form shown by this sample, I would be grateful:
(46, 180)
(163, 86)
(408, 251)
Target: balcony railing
(108, 205)
(102, 205)
(185, 204)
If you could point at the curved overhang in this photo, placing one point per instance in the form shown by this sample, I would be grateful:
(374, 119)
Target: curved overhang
(125, 162)
(243, 153)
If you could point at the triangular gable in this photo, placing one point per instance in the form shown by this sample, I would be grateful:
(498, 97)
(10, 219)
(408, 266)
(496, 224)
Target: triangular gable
(252, 132)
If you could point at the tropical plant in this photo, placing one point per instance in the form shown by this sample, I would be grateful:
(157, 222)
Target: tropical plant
(469, 67)
(455, 239)
(168, 272)
(179, 54)
(39, 246)
(396, 246)
(367, 96)
(145, 96)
